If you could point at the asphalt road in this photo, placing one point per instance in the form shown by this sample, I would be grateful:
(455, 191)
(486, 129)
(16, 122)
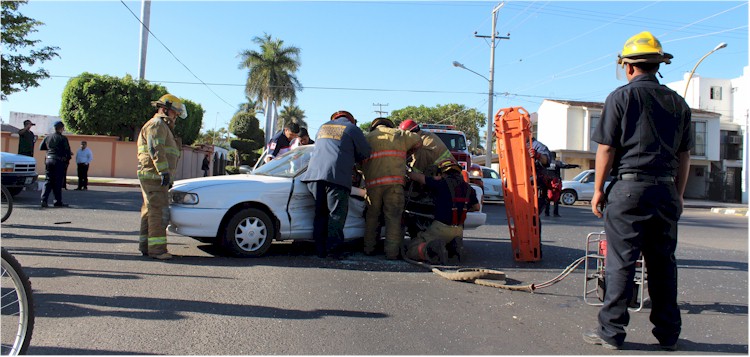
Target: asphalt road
(95, 294)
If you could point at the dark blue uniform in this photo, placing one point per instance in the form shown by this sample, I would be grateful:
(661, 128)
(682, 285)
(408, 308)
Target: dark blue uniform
(278, 144)
(648, 126)
(450, 205)
(56, 163)
(339, 144)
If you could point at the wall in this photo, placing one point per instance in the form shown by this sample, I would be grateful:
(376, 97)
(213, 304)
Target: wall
(112, 158)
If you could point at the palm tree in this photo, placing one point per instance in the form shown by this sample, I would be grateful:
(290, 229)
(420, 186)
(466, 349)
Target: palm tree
(251, 106)
(291, 114)
(271, 76)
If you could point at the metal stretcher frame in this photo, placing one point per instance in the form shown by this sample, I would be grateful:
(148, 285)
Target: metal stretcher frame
(518, 174)
(593, 271)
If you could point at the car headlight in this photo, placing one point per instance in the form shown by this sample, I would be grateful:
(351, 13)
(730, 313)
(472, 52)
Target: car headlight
(184, 198)
(8, 167)
(476, 173)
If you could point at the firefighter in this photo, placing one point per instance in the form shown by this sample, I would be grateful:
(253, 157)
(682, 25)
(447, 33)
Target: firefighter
(432, 152)
(644, 138)
(340, 143)
(385, 172)
(158, 152)
(453, 197)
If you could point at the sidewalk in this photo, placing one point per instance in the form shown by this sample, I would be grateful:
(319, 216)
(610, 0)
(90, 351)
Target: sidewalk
(715, 207)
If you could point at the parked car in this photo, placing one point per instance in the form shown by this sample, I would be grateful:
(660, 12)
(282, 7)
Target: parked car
(493, 185)
(18, 171)
(580, 188)
(245, 212)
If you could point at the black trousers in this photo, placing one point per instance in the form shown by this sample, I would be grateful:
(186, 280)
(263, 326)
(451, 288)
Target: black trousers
(55, 172)
(331, 209)
(641, 217)
(83, 176)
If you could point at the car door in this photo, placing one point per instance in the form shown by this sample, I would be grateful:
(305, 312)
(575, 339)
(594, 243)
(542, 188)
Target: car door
(586, 191)
(300, 210)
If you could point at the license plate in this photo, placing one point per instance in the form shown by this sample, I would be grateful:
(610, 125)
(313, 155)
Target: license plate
(28, 180)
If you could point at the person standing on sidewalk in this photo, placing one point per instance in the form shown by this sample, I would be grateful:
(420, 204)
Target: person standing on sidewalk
(205, 166)
(26, 139)
(645, 140)
(340, 143)
(158, 152)
(84, 156)
(56, 162)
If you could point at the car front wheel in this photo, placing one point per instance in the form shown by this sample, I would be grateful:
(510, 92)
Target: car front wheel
(568, 197)
(249, 233)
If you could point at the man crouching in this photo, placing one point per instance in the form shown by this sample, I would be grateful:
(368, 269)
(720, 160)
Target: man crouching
(452, 197)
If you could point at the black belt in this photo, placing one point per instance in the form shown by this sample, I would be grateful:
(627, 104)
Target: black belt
(646, 178)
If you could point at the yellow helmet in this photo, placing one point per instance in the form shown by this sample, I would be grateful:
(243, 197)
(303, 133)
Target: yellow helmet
(448, 165)
(170, 101)
(643, 48)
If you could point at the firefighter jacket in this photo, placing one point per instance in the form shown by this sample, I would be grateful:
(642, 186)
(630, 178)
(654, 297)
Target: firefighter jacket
(158, 150)
(387, 162)
(432, 152)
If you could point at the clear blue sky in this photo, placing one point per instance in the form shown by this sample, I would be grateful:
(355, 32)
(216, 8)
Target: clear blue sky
(358, 53)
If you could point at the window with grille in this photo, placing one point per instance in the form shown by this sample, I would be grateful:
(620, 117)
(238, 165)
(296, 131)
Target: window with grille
(699, 138)
(715, 93)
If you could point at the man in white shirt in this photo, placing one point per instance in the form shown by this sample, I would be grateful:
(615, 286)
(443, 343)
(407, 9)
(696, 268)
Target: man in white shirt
(83, 159)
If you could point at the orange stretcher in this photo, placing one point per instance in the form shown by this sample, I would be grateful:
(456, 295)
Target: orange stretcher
(518, 174)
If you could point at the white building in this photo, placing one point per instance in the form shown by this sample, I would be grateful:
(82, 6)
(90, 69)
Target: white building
(566, 126)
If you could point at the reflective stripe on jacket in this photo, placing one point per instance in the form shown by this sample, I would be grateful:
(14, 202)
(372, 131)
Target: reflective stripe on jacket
(387, 162)
(158, 150)
(432, 152)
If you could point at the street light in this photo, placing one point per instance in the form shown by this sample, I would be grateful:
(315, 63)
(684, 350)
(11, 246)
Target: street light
(488, 154)
(720, 46)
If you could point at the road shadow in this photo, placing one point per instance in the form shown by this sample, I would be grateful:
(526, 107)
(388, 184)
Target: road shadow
(683, 346)
(63, 351)
(147, 308)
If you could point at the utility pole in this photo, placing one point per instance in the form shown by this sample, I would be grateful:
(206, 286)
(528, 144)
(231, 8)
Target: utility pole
(145, 18)
(493, 44)
(380, 112)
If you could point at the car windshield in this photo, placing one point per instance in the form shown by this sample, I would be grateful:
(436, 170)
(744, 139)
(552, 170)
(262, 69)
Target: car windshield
(580, 175)
(454, 142)
(290, 164)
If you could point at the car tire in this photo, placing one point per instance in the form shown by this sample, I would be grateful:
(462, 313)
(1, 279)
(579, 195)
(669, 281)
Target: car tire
(14, 191)
(568, 197)
(249, 233)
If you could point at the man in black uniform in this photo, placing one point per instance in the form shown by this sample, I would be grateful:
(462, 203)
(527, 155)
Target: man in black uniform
(58, 156)
(645, 140)
(26, 139)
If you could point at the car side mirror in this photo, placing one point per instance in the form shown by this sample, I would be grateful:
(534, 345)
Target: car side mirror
(245, 169)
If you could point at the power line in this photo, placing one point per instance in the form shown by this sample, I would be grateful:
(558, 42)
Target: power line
(173, 55)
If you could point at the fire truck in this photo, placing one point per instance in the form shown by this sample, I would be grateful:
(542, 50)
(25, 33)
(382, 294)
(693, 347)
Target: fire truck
(455, 140)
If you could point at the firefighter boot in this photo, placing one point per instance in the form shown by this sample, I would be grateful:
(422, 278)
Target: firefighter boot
(455, 248)
(436, 253)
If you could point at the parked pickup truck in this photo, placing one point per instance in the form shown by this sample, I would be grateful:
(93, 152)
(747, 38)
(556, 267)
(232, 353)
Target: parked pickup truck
(18, 171)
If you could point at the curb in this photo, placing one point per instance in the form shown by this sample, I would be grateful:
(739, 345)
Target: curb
(732, 211)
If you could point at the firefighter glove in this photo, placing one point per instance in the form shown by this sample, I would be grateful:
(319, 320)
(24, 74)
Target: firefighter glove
(165, 180)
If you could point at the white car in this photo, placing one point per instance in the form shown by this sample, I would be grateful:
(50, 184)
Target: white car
(493, 184)
(245, 212)
(18, 171)
(580, 188)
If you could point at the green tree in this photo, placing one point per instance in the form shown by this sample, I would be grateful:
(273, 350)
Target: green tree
(271, 71)
(291, 114)
(189, 128)
(106, 105)
(19, 52)
(250, 138)
(468, 120)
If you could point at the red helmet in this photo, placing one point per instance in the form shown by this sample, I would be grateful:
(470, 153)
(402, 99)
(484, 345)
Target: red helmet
(344, 113)
(409, 125)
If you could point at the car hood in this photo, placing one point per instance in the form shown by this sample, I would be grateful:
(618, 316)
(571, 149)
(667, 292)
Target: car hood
(9, 157)
(247, 181)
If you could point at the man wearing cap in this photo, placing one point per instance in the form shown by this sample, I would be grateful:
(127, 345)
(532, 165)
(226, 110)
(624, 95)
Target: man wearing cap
(644, 140)
(340, 143)
(56, 162)
(26, 139)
